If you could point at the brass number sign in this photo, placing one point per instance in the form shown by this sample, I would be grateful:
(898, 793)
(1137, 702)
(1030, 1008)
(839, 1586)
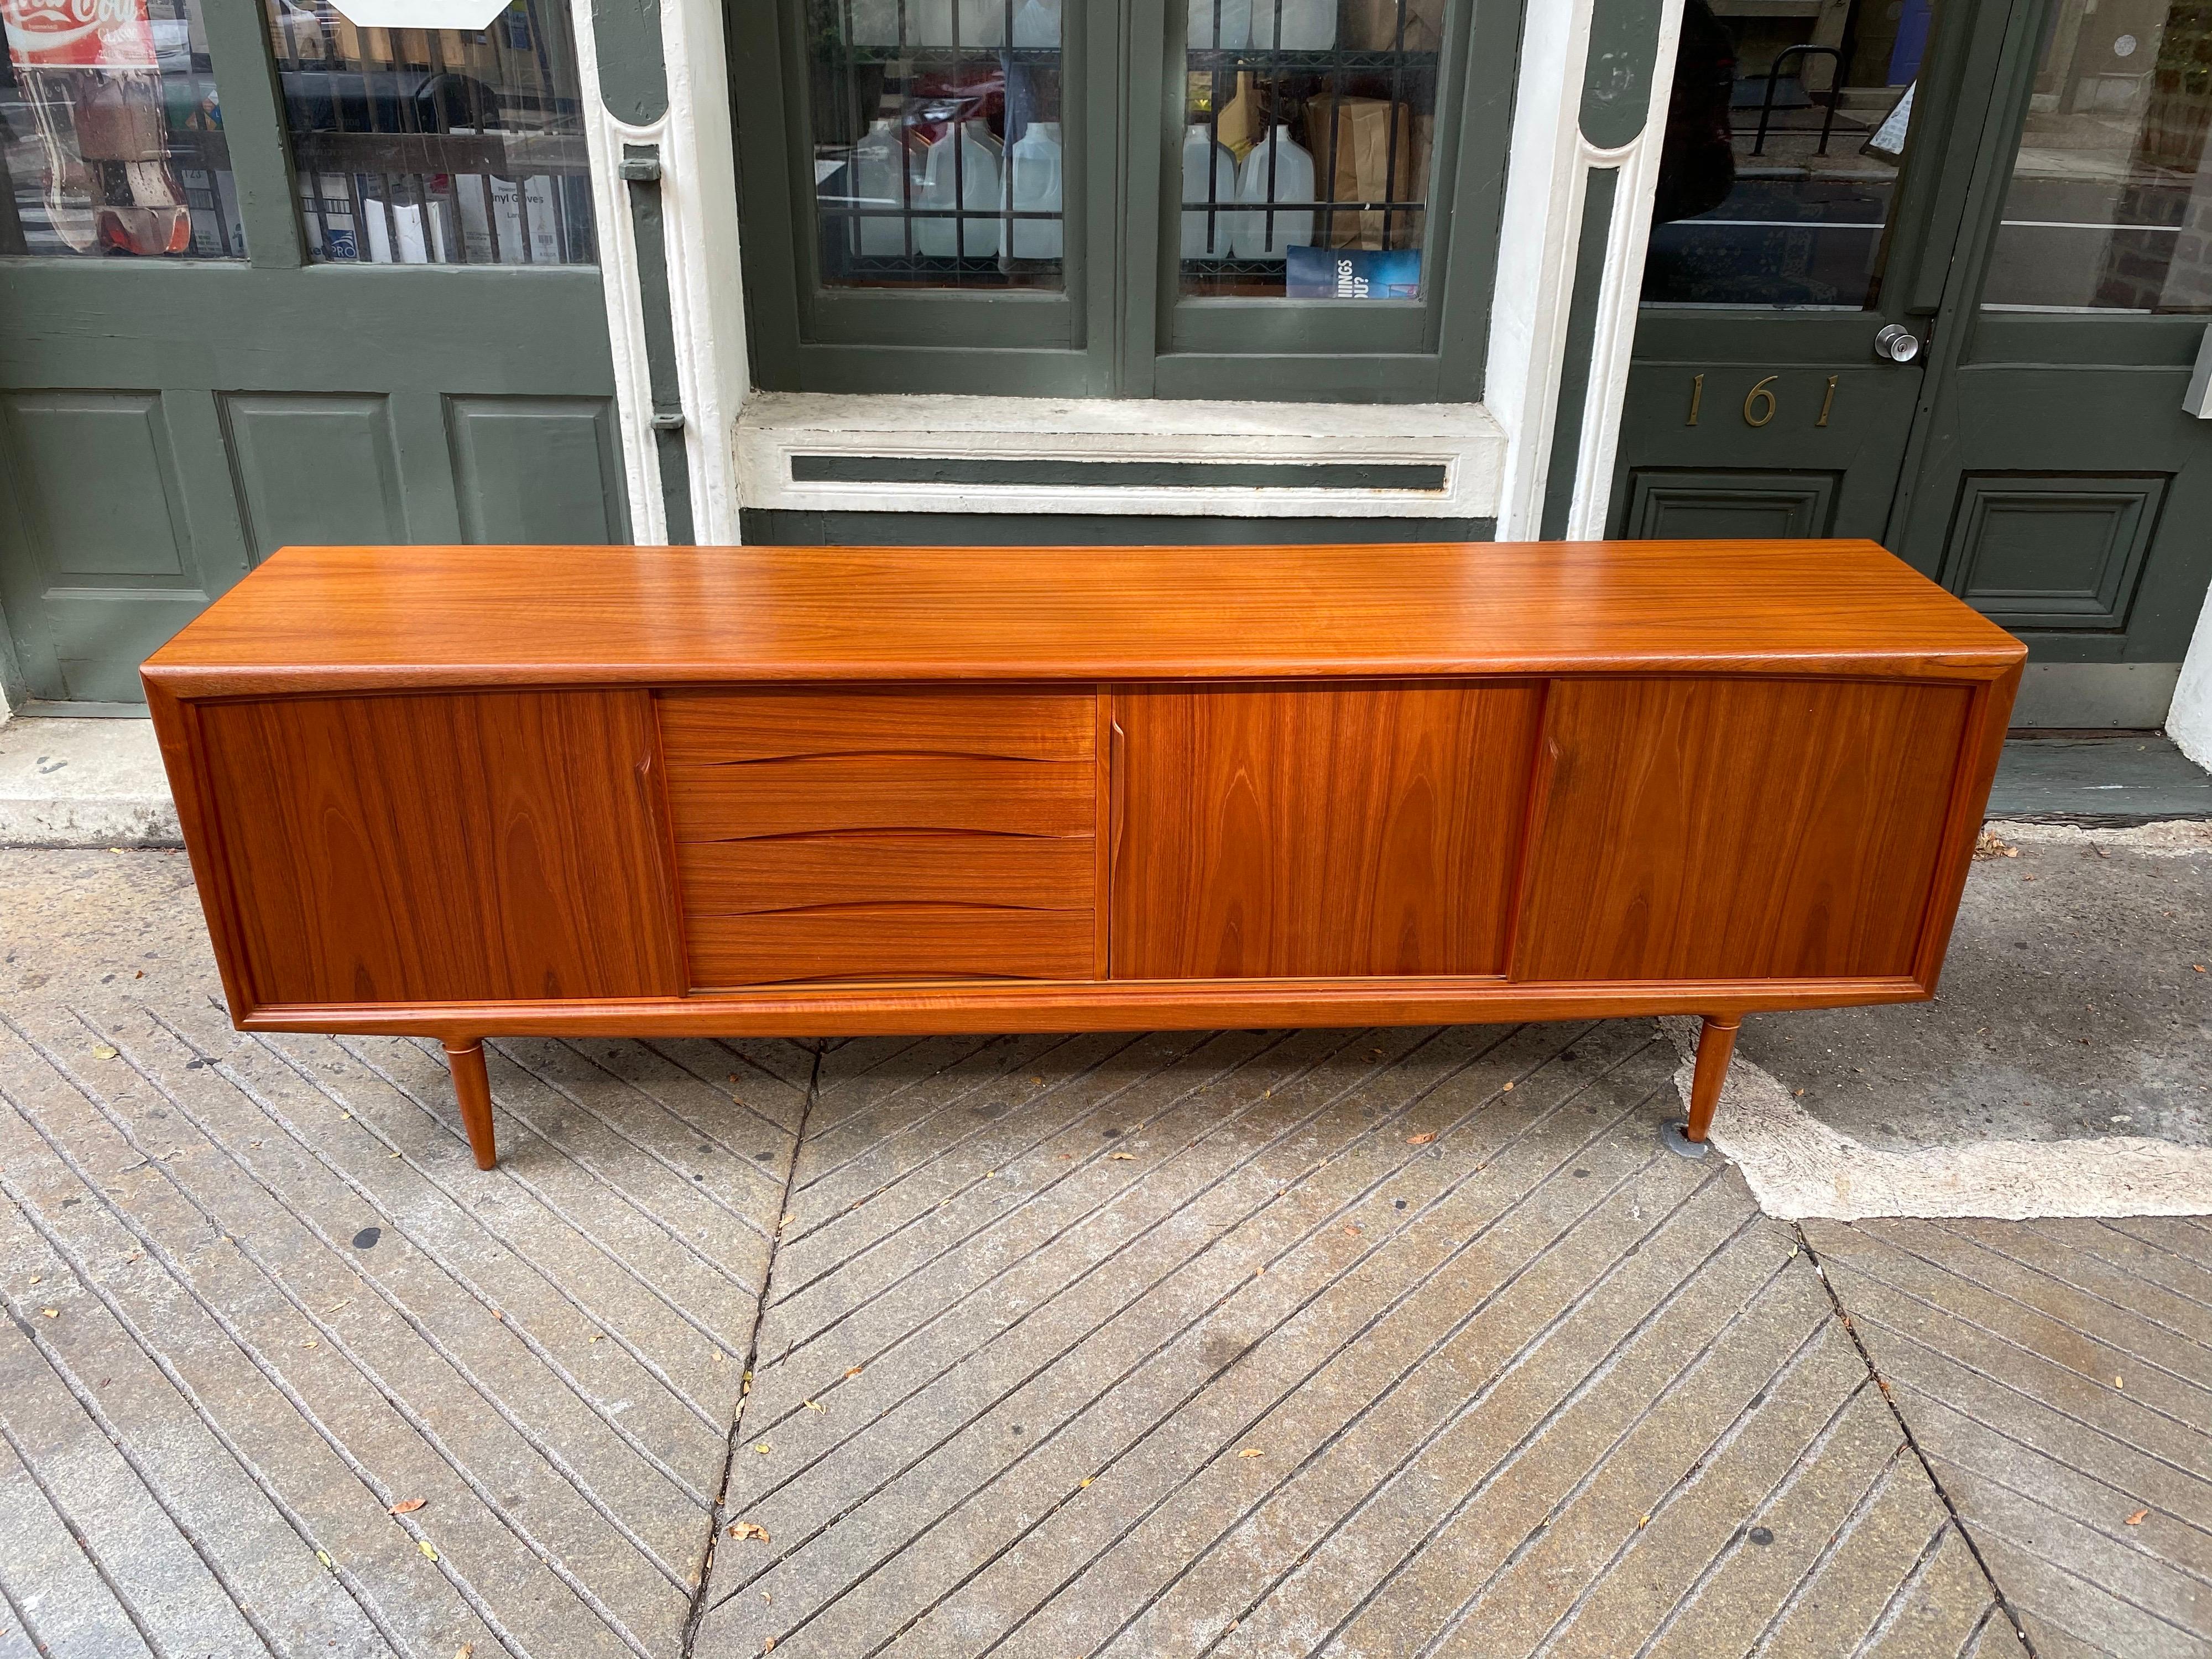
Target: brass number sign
(1760, 393)
(1760, 398)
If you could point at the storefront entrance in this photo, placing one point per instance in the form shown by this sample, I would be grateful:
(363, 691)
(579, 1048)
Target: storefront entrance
(1936, 272)
(270, 277)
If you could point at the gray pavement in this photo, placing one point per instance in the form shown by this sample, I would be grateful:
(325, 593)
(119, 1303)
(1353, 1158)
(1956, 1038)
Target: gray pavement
(2076, 1001)
(1357, 1343)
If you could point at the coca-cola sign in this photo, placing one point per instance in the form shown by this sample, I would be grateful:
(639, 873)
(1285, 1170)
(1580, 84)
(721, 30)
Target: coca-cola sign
(109, 34)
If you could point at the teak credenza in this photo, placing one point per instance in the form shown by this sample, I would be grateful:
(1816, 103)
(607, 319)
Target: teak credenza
(468, 791)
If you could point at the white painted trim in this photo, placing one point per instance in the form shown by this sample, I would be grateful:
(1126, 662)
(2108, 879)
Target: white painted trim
(699, 204)
(1545, 186)
(2189, 721)
(1463, 438)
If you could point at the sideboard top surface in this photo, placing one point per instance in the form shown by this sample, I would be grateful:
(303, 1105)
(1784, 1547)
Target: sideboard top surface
(335, 618)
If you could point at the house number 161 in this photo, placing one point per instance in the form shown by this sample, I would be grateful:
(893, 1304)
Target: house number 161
(1760, 403)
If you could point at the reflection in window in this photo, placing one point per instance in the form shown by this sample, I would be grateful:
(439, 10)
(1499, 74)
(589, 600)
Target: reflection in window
(111, 135)
(1306, 134)
(1783, 139)
(436, 146)
(940, 158)
(2111, 201)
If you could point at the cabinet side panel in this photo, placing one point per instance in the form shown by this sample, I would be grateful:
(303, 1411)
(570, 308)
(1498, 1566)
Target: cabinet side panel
(445, 847)
(1737, 829)
(1319, 830)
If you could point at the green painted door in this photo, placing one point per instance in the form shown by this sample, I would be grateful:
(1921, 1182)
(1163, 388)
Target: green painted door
(2011, 186)
(268, 277)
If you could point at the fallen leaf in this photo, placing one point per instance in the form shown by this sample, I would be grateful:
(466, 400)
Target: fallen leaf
(1645, 1521)
(2139, 1517)
(51, 1313)
(323, 1557)
(852, 1370)
(2118, 1383)
(601, 1337)
(1122, 1157)
(1252, 1451)
(762, 1449)
(428, 1548)
(1085, 1481)
(1421, 1140)
(1352, 1232)
(814, 1407)
(768, 1645)
(103, 1053)
(466, 1651)
(749, 1529)
(1508, 1088)
(407, 1506)
(1257, 1272)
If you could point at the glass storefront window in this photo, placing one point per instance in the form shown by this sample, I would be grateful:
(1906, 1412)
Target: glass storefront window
(941, 157)
(111, 133)
(1308, 129)
(2110, 207)
(1784, 138)
(436, 146)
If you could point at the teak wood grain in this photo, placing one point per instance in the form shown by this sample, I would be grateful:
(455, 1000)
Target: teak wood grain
(783, 872)
(1753, 829)
(707, 728)
(457, 791)
(890, 941)
(443, 848)
(982, 793)
(332, 618)
(1289, 830)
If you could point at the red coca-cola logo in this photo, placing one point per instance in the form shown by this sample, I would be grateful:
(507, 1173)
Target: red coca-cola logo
(78, 33)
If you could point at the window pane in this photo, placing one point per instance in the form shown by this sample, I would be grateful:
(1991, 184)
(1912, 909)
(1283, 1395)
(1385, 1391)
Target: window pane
(436, 146)
(2111, 202)
(112, 135)
(1306, 147)
(1784, 137)
(939, 156)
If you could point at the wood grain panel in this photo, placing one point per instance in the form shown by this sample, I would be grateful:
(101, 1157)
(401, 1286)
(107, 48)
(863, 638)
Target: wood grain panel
(315, 618)
(1034, 872)
(1708, 828)
(1289, 830)
(882, 792)
(897, 941)
(705, 728)
(443, 848)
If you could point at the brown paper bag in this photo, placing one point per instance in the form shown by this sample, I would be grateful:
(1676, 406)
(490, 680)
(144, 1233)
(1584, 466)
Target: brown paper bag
(1373, 25)
(1365, 172)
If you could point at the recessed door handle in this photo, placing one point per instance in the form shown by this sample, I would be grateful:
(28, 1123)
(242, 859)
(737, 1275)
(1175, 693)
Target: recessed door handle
(1896, 343)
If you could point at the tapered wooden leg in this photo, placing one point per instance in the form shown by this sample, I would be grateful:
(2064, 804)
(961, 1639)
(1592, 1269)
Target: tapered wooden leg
(472, 1088)
(1716, 1044)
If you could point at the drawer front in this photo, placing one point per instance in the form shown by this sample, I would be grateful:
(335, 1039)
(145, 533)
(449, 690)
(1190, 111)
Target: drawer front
(782, 872)
(711, 728)
(827, 793)
(890, 941)
(850, 834)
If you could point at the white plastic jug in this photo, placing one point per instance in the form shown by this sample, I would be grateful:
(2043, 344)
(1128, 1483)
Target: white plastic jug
(1195, 143)
(1308, 25)
(1037, 23)
(977, 193)
(1252, 237)
(1036, 173)
(1236, 24)
(876, 183)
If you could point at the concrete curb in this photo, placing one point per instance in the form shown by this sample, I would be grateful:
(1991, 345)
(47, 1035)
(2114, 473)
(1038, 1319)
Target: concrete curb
(84, 783)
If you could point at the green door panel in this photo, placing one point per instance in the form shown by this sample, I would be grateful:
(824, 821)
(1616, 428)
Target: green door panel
(162, 427)
(2100, 553)
(1747, 466)
(542, 469)
(1665, 504)
(311, 464)
(2038, 551)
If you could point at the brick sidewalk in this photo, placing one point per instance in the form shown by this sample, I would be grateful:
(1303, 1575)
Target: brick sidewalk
(1362, 1343)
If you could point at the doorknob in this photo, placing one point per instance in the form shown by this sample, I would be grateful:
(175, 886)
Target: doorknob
(1896, 343)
